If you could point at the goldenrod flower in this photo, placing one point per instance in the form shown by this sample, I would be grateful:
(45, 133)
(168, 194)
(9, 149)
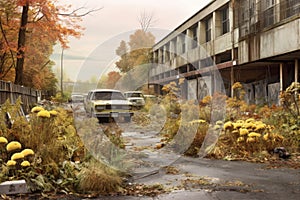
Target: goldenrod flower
(37, 109)
(17, 156)
(53, 113)
(14, 145)
(206, 100)
(250, 139)
(237, 85)
(3, 140)
(227, 125)
(240, 139)
(253, 134)
(235, 132)
(25, 163)
(243, 131)
(11, 163)
(27, 152)
(44, 114)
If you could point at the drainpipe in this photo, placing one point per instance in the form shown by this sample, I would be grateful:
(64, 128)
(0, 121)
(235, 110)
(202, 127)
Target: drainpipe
(281, 76)
(296, 70)
(232, 50)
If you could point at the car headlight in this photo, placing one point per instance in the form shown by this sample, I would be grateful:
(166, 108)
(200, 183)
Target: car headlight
(99, 107)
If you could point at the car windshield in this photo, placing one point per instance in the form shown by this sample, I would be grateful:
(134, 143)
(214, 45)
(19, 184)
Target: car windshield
(135, 94)
(108, 96)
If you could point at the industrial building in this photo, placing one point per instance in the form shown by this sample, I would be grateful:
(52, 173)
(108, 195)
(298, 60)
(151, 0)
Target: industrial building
(255, 42)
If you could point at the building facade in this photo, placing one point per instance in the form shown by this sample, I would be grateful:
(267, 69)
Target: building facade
(255, 42)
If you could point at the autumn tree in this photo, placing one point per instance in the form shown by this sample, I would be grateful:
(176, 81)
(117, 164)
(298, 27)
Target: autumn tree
(112, 79)
(8, 35)
(136, 51)
(27, 49)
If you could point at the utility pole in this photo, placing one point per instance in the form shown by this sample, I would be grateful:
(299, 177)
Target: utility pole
(61, 72)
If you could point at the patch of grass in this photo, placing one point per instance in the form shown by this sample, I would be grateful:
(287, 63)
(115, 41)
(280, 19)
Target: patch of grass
(96, 177)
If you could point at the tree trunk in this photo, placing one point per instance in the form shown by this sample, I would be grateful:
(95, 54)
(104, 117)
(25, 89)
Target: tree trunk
(21, 45)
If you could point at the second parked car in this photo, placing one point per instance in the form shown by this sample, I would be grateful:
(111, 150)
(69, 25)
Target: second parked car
(136, 98)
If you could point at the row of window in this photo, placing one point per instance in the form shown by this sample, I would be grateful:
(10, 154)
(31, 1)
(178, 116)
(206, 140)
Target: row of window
(254, 15)
(179, 44)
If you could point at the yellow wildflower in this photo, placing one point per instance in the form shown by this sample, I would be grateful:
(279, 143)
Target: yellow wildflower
(198, 121)
(53, 113)
(249, 125)
(240, 139)
(14, 145)
(243, 131)
(3, 140)
(27, 152)
(250, 139)
(37, 109)
(237, 125)
(235, 132)
(25, 163)
(11, 163)
(250, 120)
(254, 134)
(17, 156)
(217, 127)
(266, 136)
(44, 114)
(227, 125)
(260, 127)
(219, 122)
(240, 121)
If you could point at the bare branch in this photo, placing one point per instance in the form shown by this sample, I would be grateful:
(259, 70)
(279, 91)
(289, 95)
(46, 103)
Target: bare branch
(48, 61)
(74, 13)
(146, 20)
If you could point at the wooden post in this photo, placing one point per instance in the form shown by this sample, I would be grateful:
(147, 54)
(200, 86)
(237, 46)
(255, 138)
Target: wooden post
(296, 70)
(281, 76)
(231, 80)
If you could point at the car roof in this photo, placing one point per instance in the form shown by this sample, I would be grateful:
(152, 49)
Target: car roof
(133, 92)
(104, 90)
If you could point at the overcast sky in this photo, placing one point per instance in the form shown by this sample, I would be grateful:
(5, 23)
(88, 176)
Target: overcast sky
(93, 53)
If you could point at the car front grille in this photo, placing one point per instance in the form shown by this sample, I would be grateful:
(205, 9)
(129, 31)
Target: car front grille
(117, 107)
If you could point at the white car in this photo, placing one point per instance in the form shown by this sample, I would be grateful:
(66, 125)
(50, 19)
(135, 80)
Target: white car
(108, 104)
(136, 98)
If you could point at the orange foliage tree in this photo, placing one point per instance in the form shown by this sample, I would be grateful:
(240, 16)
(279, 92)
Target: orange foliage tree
(29, 30)
(112, 79)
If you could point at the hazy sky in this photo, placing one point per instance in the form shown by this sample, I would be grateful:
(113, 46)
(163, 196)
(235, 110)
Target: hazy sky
(93, 53)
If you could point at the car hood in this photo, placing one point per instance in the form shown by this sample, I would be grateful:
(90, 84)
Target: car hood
(135, 98)
(112, 102)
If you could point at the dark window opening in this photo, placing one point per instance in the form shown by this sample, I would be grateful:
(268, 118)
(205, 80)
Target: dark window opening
(225, 20)
(208, 30)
